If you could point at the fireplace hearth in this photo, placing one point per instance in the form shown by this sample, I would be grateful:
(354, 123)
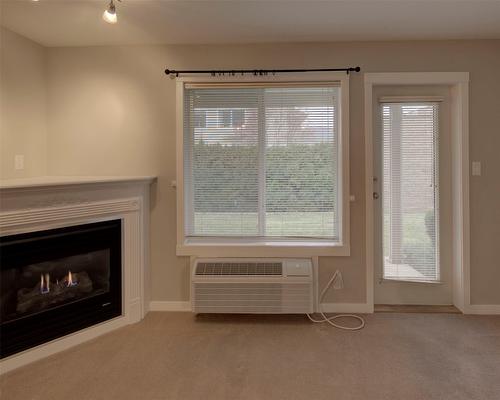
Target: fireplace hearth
(56, 282)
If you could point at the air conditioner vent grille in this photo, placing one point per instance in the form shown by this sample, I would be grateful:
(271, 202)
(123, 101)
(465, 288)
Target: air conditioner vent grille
(239, 268)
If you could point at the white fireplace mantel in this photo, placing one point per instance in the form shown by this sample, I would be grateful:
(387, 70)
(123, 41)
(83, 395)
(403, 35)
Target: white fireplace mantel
(45, 182)
(42, 203)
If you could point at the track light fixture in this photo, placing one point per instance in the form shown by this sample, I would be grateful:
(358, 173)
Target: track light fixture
(109, 14)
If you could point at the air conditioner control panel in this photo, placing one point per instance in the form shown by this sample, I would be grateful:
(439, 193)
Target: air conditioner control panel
(297, 267)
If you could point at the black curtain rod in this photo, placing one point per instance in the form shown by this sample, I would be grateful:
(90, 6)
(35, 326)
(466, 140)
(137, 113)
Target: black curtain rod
(257, 72)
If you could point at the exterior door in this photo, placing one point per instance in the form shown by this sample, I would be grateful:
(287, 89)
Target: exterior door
(412, 195)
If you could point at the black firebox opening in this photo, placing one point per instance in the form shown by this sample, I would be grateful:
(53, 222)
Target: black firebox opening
(58, 281)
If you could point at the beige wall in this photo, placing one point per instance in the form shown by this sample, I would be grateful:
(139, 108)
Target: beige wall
(22, 105)
(112, 111)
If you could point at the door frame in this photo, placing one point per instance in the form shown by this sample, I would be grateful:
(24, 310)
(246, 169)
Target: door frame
(459, 135)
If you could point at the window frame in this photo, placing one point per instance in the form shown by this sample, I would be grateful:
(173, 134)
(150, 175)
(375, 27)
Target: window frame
(244, 247)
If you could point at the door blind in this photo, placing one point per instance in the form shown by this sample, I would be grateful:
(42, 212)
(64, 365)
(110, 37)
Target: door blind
(261, 161)
(410, 191)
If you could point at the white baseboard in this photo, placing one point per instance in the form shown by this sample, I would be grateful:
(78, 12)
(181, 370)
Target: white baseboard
(352, 308)
(361, 308)
(170, 306)
(483, 309)
(57, 345)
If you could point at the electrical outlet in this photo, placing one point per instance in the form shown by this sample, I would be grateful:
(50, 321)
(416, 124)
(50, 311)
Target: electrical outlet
(19, 161)
(476, 168)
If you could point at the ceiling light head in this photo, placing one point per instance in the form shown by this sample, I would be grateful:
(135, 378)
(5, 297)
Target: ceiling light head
(109, 14)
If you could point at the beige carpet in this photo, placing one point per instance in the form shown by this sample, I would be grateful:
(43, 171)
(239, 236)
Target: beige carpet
(179, 356)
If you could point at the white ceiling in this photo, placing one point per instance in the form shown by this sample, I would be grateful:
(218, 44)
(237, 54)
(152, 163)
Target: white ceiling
(79, 23)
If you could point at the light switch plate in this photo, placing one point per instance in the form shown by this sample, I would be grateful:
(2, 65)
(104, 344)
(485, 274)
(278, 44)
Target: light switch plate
(19, 161)
(476, 168)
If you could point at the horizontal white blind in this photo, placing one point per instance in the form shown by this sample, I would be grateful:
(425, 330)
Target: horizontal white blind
(410, 191)
(261, 161)
(410, 99)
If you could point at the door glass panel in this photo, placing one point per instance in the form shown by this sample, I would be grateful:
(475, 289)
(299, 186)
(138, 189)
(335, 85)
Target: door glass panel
(410, 191)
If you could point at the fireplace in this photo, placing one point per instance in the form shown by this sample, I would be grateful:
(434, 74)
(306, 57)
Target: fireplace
(58, 281)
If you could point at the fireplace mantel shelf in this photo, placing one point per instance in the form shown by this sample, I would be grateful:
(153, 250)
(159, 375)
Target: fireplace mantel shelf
(54, 181)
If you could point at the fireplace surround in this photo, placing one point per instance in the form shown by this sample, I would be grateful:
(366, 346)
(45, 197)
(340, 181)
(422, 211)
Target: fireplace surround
(36, 205)
(58, 281)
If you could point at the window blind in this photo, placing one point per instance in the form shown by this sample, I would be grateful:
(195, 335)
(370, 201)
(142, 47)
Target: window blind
(410, 191)
(261, 161)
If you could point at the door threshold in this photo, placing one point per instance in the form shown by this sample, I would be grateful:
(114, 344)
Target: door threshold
(416, 308)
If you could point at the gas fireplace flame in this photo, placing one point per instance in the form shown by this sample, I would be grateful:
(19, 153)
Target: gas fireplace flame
(71, 279)
(44, 283)
(68, 281)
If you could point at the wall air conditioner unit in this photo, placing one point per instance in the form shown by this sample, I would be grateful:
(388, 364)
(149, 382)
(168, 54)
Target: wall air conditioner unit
(252, 286)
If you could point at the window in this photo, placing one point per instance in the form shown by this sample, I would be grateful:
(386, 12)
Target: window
(265, 167)
(410, 191)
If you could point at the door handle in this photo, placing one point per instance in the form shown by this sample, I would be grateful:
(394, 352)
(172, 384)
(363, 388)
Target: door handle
(376, 195)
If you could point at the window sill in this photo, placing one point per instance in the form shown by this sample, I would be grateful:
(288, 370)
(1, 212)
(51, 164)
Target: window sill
(263, 249)
(417, 281)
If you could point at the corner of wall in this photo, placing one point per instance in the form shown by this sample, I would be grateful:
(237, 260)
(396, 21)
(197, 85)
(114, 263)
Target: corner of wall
(23, 105)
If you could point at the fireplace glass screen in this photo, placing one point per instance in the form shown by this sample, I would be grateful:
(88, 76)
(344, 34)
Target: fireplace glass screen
(58, 281)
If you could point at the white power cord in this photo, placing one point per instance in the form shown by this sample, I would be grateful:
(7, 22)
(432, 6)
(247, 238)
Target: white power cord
(330, 319)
